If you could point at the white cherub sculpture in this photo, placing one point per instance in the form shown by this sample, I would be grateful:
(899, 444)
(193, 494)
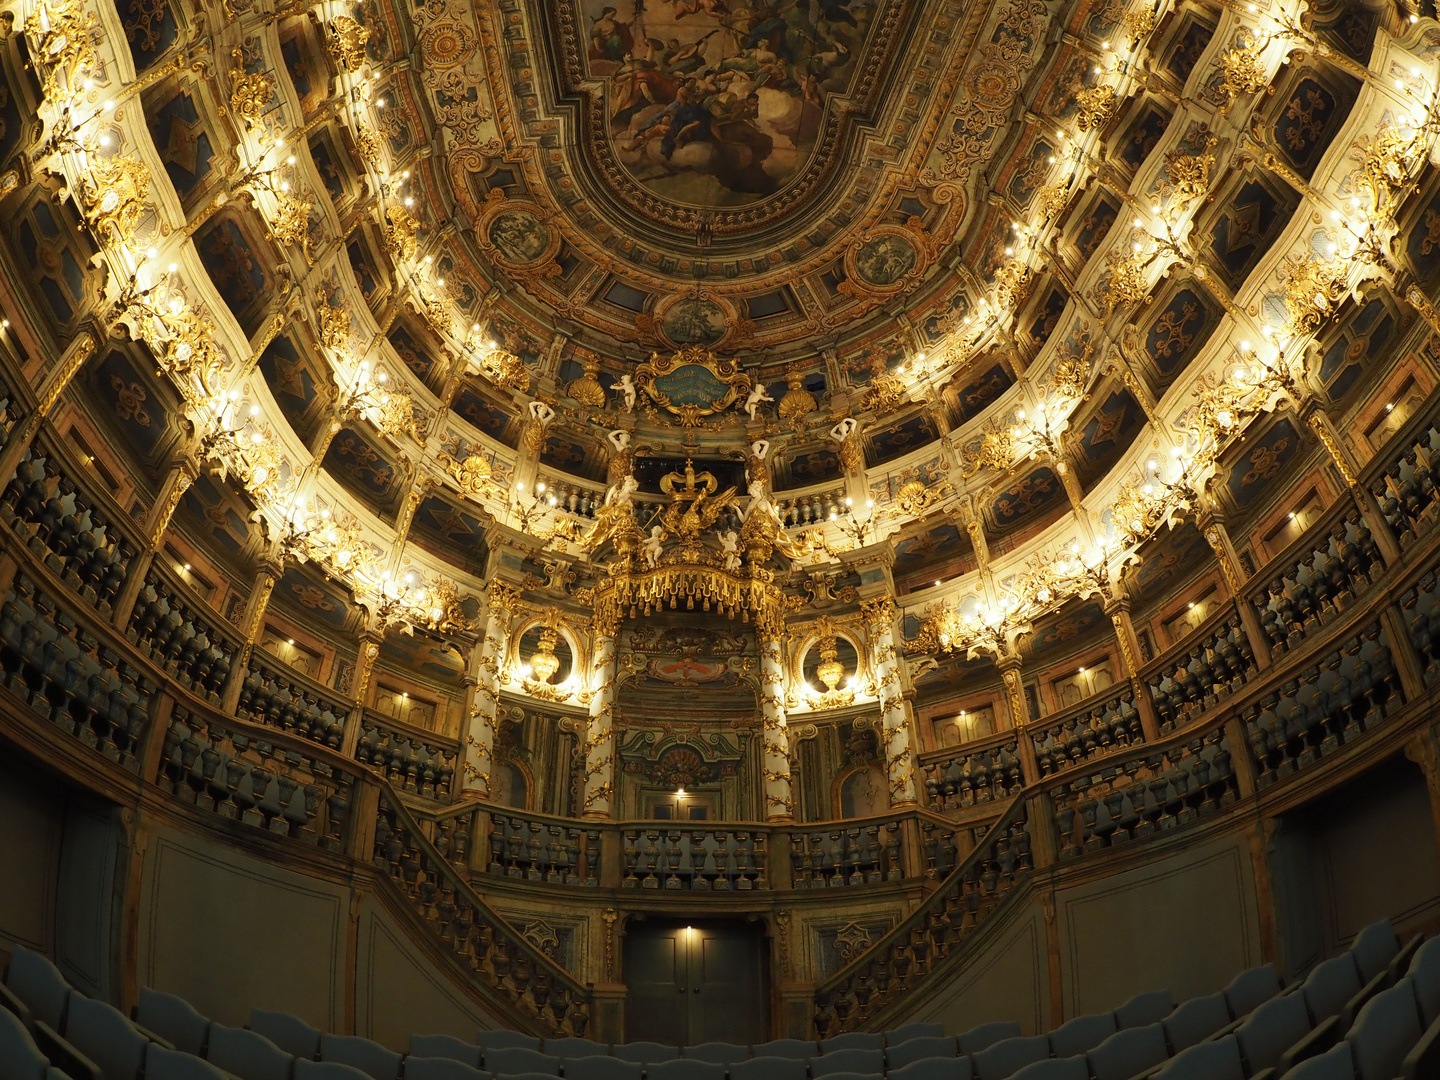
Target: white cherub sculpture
(841, 431)
(757, 395)
(730, 548)
(652, 546)
(626, 389)
(622, 491)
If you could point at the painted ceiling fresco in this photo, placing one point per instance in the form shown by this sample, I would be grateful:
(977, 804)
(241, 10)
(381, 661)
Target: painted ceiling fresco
(714, 107)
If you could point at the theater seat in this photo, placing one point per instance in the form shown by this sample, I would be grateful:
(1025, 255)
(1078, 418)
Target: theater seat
(20, 1058)
(289, 1033)
(1129, 1052)
(441, 1068)
(848, 1061)
(1329, 986)
(163, 1064)
(853, 1040)
(997, 1062)
(1147, 1008)
(38, 983)
(602, 1067)
(247, 1054)
(445, 1046)
(174, 1019)
(645, 1052)
(1251, 989)
(326, 1070)
(786, 1048)
(369, 1057)
(1218, 1060)
(102, 1034)
(1374, 948)
(685, 1069)
(978, 1038)
(946, 1068)
(1384, 1031)
(505, 1039)
(1335, 1064)
(1081, 1034)
(513, 1060)
(716, 1053)
(927, 1046)
(1195, 1020)
(1272, 1029)
(769, 1068)
(572, 1047)
(1071, 1068)
(907, 1032)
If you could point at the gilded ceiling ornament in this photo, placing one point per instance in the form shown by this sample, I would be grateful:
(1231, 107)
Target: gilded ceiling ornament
(1012, 284)
(61, 32)
(346, 42)
(503, 368)
(1069, 376)
(1051, 199)
(1386, 161)
(1126, 284)
(915, 497)
(367, 142)
(692, 384)
(798, 402)
(995, 451)
(1244, 71)
(1313, 289)
(183, 345)
(395, 415)
(334, 324)
(885, 392)
(291, 223)
(400, 233)
(1139, 23)
(435, 308)
(250, 93)
(587, 389)
(115, 191)
(473, 474)
(1096, 104)
(1189, 172)
(887, 259)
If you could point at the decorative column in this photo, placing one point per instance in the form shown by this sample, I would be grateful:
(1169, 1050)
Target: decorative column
(899, 747)
(600, 733)
(1008, 661)
(1219, 541)
(251, 622)
(775, 737)
(1119, 611)
(483, 720)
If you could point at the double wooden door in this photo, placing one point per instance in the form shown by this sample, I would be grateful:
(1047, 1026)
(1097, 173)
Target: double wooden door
(696, 983)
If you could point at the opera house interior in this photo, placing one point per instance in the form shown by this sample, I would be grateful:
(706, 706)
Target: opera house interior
(703, 539)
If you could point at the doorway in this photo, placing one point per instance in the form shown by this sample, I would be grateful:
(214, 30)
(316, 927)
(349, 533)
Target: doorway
(697, 982)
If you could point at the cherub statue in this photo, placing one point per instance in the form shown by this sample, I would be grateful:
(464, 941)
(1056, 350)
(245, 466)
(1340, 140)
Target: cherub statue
(626, 389)
(757, 395)
(653, 550)
(730, 548)
(622, 491)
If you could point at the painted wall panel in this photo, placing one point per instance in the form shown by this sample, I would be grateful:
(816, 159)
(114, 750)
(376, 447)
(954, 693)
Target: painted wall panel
(397, 992)
(1007, 981)
(228, 932)
(32, 817)
(1187, 922)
